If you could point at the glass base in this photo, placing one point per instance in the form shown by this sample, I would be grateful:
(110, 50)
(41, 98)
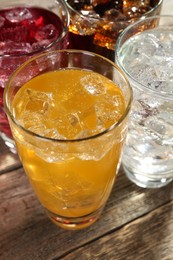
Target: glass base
(146, 182)
(9, 143)
(74, 223)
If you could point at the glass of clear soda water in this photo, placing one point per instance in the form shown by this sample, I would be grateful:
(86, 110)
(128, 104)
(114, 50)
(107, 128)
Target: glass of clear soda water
(27, 29)
(145, 53)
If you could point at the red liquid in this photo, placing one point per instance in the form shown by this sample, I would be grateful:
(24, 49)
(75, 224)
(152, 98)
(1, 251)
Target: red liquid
(24, 31)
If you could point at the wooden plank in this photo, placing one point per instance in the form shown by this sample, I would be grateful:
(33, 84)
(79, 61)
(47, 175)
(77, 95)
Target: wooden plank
(17, 201)
(147, 238)
(27, 233)
(8, 160)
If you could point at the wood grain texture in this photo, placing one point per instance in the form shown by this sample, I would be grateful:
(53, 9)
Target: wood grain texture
(26, 232)
(8, 160)
(149, 237)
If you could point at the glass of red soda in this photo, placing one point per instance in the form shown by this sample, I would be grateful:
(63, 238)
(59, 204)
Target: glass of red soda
(96, 24)
(28, 28)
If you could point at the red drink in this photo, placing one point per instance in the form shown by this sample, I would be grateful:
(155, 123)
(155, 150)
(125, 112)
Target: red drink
(25, 31)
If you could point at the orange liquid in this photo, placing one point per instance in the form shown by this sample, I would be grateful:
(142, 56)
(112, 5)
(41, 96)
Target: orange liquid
(71, 179)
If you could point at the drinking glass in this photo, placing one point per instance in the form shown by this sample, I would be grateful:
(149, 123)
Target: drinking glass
(69, 124)
(27, 29)
(145, 54)
(95, 25)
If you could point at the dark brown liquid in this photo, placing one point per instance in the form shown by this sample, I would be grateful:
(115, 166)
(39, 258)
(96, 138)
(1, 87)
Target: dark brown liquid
(85, 42)
(115, 16)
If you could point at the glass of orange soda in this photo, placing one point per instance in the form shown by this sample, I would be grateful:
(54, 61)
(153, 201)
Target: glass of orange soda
(69, 118)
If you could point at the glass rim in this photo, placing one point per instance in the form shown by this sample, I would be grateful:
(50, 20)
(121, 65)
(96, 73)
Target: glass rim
(102, 19)
(63, 33)
(162, 94)
(112, 127)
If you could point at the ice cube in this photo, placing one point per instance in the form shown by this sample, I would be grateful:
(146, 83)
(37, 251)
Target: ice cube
(161, 73)
(114, 15)
(10, 47)
(166, 112)
(72, 118)
(84, 26)
(32, 121)
(145, 110)
(76, 124)
(17, 15)
(40, 45)
(142, 51)
(108, 109)
(94, 85)
(47, 32)
(35, 95)
(33, 102)
(139, 71)
(67, 124)
(34, 117)
(39, 101)
(156, 125)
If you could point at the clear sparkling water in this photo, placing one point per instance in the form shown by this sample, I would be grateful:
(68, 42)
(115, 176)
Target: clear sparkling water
(148, 58)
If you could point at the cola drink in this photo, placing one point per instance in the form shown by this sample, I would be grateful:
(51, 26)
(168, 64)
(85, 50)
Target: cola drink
(96, 24)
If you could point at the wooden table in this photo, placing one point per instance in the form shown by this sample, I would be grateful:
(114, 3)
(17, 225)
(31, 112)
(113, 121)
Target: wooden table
(136, 223)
